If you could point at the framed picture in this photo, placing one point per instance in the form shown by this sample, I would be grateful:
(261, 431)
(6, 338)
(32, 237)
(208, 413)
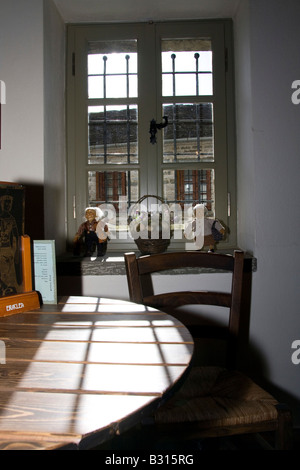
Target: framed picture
(12, 205)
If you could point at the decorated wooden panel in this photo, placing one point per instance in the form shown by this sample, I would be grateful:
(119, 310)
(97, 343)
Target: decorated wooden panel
(12, 204)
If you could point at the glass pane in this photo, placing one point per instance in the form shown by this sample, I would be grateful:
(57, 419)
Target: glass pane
(112, 187)
(189, 136)
(112, 134)
(112, 69)
(187, 67)
(190, 187)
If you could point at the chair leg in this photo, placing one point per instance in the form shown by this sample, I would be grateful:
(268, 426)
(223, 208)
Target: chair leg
(284, 434)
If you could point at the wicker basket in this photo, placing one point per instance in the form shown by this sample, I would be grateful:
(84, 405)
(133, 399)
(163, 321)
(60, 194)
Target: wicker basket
(148, 245)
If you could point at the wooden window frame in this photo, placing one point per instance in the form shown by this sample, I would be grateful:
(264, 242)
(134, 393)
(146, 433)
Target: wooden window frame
(151, 166)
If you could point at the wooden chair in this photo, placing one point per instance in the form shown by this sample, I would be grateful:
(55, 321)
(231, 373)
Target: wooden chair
(214, 400)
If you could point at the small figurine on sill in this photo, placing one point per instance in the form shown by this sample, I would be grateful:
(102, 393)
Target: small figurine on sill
(213, 229)
(89, 232)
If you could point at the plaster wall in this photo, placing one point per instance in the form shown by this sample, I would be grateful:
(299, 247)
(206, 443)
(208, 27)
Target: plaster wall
(267, 62)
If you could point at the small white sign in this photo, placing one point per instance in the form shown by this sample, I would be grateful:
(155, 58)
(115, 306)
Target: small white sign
(45, 270)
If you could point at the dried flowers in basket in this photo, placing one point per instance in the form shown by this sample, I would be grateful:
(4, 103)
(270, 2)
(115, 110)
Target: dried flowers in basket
(150, 229)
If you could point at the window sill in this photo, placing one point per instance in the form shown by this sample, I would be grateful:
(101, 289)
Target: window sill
(113, 264)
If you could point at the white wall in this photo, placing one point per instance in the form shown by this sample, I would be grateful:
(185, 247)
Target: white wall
(32, 66)
(54, 129)
(267, 38)
(21, 68)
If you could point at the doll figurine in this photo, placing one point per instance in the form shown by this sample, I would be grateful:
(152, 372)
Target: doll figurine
(89, 232)
(213, 229)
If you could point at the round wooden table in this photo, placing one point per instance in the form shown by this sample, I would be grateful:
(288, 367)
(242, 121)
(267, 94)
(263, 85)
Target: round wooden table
(75, 374)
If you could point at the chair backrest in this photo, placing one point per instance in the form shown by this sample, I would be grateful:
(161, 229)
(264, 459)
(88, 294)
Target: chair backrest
(138, 268)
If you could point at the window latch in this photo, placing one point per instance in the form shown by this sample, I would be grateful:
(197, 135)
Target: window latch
(228, 204)
(74, 207)
(154, 127)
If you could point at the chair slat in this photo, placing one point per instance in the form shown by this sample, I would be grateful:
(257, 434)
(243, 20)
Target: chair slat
(187, 259)
(179, 299)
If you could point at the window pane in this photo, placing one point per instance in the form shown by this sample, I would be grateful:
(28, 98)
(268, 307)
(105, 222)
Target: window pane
(112, 132)
(112, 69)
(189, 134)
(187, 67)
(190, 187)
(107, 187)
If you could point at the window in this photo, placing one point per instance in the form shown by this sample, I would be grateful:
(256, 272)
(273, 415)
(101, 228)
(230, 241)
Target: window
(150, 111)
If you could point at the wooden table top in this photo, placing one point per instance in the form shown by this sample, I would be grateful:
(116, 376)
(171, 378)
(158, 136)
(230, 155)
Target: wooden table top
(74, 374)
